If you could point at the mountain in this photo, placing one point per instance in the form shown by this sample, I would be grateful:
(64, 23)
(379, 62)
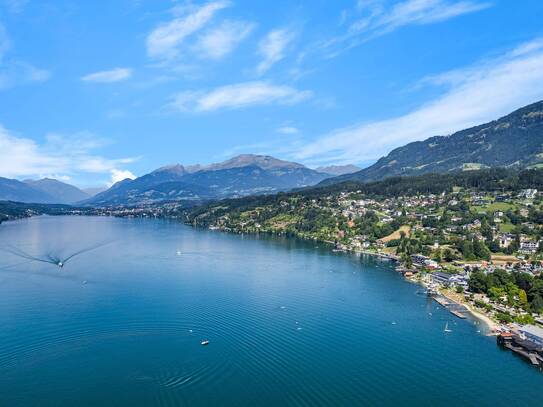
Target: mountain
(93, 190)
(242, 175)
(13, 190)
(265, 162)
(61, 192)
(515, 140)
(336, 170)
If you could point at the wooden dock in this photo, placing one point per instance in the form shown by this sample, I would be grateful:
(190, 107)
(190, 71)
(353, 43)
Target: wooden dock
(458, 310)
(522, 352)
(458, 314)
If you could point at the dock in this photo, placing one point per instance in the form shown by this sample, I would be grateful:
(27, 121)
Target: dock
(522, 347)
(458, 310)
(520, 351)
(458, 314)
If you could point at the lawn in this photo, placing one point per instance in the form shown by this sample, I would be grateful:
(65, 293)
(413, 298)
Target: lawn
(396, 235)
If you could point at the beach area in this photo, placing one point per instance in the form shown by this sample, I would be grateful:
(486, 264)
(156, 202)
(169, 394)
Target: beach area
(491, 325)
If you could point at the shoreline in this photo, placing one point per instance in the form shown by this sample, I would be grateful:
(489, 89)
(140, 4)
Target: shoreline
(491, 325)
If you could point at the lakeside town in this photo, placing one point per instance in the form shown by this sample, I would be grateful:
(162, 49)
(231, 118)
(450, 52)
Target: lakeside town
(476, 252)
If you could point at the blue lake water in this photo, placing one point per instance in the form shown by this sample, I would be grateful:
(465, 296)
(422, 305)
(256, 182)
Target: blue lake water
(289, 323)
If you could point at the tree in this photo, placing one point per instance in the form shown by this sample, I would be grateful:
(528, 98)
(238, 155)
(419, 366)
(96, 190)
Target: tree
(477, 282)
(448, 255)
(480, 250)
(522, 297)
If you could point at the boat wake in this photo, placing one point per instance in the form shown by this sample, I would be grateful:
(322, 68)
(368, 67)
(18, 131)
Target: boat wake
(51, 258)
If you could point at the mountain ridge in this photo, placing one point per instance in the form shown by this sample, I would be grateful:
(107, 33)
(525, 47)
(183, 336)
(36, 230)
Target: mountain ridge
(514, 140)
(238, 176)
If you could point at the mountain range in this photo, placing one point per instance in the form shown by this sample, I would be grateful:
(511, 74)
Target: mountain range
(243, 175)
(514, 141)
(45, 190)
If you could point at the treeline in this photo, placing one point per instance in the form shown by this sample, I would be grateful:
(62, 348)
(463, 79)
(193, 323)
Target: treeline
(16, 210)
(496, 179)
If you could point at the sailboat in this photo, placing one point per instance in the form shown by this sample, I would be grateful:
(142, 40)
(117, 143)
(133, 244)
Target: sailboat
(447, 330)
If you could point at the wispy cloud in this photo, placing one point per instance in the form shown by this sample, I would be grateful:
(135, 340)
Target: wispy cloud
(221, 40)
(238, 96)
(376, 19)
(60, 154)
(4, 42)
(272, 48)
(473, 95)
(288, 130)
(109, 76)
(13, 71)
(15, 6)
(164, 41)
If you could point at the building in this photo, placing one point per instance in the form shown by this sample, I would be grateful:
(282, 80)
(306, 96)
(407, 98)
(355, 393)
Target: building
(528, 247)
(532, 333)
(505, 240)
(449, 280)
(422, 261)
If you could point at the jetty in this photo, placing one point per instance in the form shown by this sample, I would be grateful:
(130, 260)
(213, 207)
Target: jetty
(458, 310)
(522, 347)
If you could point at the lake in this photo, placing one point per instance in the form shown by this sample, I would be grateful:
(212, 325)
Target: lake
(289, 323)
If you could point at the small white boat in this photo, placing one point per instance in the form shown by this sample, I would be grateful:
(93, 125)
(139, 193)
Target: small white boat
(204, 343)
(447, 330)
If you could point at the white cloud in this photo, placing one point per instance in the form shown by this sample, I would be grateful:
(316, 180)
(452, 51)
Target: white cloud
(272, 48)
(475, 95)
(73, 155)
(112, 75)
(237, 96)
(378, 20)
(222, 39)
(288, 130)
(165, 40)
(119, 175)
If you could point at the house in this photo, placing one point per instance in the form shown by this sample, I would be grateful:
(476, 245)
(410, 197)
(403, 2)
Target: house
(505, 240)
(422, 261)
(528, 193)
(528, 247)
(449, 280)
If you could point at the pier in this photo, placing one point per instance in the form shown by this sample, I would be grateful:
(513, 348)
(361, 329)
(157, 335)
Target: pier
(458, 310)
(522, 347)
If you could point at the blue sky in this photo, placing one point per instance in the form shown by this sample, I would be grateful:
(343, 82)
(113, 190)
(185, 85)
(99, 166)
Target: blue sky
(92, 92)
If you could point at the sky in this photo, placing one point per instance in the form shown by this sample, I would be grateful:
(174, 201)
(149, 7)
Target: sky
(95, 92)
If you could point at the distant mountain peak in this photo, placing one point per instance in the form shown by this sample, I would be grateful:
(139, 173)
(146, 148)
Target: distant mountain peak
(338, 169)
(173, 168)
(265, 162)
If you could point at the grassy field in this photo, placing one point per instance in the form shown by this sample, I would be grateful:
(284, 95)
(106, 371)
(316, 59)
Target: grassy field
(506, 227)
(396, 235)
(493, 207)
